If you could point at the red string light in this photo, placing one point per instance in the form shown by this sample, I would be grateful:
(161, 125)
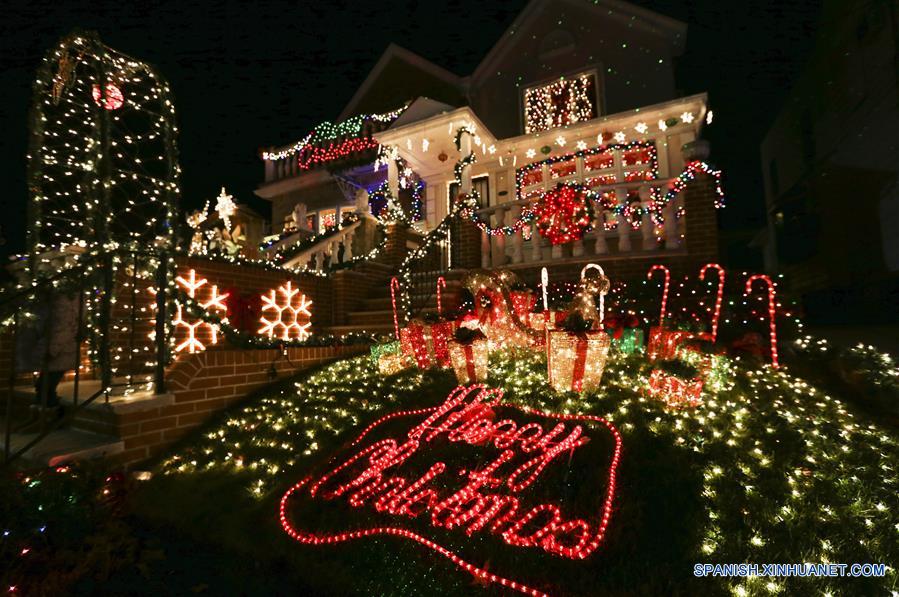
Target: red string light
(664, 289)
(718, 296)
(467, 416)
(394, 286)
(441, 283)
(311, 155)
(772, 311)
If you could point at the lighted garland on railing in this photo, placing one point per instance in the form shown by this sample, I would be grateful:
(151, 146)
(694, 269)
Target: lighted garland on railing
(328, 131)
(283, 253)
(647, 145)
(389, 213)
(691, 170)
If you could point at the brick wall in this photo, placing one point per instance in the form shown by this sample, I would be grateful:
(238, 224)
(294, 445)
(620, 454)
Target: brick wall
(200, 385)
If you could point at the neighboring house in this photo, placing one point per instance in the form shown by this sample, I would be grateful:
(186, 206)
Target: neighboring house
(830, 164)
(573, 91)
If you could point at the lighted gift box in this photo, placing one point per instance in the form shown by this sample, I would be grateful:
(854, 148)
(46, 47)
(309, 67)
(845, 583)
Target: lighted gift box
(378, 349)
(575, 360)
(629, 340)
(416, 341)
(675, 391)
(663, 343)
(393, 362)
(469, 360)
(713, 368)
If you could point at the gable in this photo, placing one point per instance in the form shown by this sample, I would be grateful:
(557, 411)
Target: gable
(399, 77)
(631, 51)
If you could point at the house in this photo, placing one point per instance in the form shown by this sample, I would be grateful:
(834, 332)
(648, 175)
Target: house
(830, 163)
(573, 92)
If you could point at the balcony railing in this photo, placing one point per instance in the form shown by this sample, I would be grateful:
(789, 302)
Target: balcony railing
(526, 246)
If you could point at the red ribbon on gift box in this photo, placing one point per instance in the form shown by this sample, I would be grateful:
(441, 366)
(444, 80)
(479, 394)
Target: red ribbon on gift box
(580, 363)
(469, 362)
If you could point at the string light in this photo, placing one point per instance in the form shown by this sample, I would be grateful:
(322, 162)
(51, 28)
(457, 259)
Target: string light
(560, 103)
(463, 418)
(291, 319)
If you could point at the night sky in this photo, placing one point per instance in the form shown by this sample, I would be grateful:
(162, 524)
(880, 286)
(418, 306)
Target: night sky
(251, 74)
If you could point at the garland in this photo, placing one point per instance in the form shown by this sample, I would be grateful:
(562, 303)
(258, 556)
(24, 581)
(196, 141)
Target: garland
(328, 131)
(691, 170)
(301, 245)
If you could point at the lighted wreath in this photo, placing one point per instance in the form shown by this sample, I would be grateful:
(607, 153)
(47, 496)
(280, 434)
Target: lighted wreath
(564, 213)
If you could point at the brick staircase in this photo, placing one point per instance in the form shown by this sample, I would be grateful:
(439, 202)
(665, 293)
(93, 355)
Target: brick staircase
(375, 312)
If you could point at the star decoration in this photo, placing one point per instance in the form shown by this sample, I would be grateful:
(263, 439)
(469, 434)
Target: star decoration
(641, 128)
(687, 117)
(286, 316)
(620, 137)
(530, 153)
(581, 145)
(226, 207)
(560, 141)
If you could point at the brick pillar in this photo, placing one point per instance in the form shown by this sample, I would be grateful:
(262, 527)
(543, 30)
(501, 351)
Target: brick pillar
(701, 234)
(395, 249)
(466, 245)
(349, 288)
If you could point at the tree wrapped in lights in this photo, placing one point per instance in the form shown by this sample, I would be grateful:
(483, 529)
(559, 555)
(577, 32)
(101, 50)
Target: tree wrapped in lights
(102, 161)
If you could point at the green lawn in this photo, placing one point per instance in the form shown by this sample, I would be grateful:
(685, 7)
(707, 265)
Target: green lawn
(768, 469)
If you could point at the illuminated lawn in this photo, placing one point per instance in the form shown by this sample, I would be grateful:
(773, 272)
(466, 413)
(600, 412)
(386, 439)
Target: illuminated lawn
(768, 470)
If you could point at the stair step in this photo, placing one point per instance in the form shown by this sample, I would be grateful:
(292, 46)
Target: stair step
(65, 445)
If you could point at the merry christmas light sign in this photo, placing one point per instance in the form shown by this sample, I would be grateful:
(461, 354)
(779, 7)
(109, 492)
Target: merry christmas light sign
(473, 465)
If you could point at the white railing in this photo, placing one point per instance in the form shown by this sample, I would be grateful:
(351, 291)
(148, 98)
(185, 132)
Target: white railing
(327, 247)
(526, 246)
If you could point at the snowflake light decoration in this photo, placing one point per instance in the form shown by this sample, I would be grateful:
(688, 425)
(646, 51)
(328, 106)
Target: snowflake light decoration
(192, 329)
(287, 317)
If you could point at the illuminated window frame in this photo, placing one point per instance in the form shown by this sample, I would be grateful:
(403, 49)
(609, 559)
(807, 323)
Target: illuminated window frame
(593, 97)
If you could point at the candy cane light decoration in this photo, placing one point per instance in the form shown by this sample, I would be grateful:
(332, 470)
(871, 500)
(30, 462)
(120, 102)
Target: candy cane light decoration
(718, 297)
(441, 283)
(602, 295)
(664, 289)
(772, 314)
(394, 286)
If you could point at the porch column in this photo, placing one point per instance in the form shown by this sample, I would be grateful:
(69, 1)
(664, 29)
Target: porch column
(599, 226)
(465, 150)
(499, 242)
(393, 176)
(649, 237)
(517, 254)
(672, 239)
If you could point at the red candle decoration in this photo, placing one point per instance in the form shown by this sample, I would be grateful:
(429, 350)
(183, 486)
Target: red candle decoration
(718, 297)
(772, 312)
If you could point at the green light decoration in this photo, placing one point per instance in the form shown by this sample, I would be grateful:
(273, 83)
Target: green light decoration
(102, 161)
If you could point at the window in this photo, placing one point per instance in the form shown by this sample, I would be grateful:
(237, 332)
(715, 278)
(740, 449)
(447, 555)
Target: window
(326, 219)
(560, 103)
(480, 184)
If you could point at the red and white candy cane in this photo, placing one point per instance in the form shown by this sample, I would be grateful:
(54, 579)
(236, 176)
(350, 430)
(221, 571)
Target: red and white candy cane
(441, 283)
(664, 289)
(602, 295)
(544, 282)
(772, 311)
(718, 297)
(394, 286)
